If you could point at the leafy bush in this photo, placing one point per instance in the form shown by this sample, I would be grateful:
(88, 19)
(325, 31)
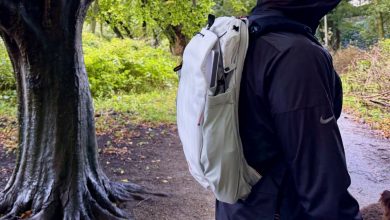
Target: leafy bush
(113, 66)
(124, 66)
(7, 81)
(366, 85)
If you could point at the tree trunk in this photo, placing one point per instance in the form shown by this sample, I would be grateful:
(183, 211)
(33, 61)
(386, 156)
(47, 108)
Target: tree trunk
(95, 11)
(93, 25)
(102, 29)
(336, 39)
(381, 30)
(177, 40)
(57, 175)
(117, 32)
(127, 30)
(379, 21)
(115, 29)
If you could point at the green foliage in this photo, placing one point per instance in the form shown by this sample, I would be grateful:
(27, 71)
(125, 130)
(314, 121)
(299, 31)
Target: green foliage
(126, 66)
(190, 15)
(379, 6)
(234, 7)
(156, 107)
(8, 103)
(358, 25)
(385, 47)
(140, 17)
(366, 86)
(113, 66)
(157, 20)
(7, 80)
(123, 15)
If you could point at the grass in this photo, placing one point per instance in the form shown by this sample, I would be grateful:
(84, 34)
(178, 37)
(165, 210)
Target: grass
(7, 109)
(8, 124)
(8, 104)
(376, 117)
(152, 107)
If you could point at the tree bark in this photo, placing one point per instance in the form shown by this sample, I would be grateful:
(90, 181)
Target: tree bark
(95, 11)
(57, 175)
(177, 40)
(115, 29)
(127, 30)
(379, 21)
(336, 39)
(381, 29)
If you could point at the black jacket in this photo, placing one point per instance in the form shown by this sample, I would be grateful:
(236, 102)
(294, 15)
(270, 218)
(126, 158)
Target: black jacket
(289, 104)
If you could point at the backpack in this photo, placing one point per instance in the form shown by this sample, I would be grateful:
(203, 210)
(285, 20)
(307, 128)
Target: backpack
(207, 101)
(207, 108)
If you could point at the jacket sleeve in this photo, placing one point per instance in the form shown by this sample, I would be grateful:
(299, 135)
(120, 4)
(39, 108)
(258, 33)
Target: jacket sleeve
(302, 105)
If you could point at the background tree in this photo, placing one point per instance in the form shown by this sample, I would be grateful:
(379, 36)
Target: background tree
(358, 24)
(233, 7)
(380, 10)
(57, 175)
(174, 20)
(338, 21)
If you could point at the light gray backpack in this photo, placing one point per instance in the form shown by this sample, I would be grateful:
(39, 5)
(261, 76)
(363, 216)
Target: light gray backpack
(207, 109)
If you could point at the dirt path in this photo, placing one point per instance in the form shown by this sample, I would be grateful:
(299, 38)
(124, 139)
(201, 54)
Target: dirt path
(368, 158)
(152, 156)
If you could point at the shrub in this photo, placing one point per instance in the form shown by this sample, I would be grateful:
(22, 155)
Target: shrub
(343, 59)
(7, 81)
(113, 66)
(366, 85)
(126, 66)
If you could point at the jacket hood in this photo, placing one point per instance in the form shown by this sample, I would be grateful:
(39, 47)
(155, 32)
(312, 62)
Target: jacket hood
(308, 12)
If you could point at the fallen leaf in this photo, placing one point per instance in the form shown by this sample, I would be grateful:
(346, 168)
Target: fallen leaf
(26, 214)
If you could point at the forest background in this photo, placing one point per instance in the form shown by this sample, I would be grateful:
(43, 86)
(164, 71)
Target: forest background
(132, 46)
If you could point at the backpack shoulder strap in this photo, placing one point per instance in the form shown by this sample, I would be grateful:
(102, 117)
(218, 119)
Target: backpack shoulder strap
(264, 25)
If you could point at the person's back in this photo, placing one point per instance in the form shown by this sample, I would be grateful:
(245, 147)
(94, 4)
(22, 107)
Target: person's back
(289, 102)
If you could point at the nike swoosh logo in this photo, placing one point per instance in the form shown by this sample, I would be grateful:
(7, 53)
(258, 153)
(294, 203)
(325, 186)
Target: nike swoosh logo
(326, 121)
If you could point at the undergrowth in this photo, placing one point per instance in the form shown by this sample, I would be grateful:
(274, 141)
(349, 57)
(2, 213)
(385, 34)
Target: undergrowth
(153, 107)
(366, 77)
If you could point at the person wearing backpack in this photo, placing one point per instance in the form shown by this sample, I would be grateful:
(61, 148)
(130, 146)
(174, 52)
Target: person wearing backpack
(290, 101)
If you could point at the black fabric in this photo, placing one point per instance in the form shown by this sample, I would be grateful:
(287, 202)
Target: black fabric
(289, 102)
(261, 26)
(308, 12)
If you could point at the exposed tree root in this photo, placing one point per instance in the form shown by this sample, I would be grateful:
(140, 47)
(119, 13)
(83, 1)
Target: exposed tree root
(93, 201)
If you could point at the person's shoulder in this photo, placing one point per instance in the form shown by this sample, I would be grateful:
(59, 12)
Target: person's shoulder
(293, 43)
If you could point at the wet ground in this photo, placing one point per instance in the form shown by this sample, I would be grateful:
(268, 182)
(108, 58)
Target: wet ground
(368, 158)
